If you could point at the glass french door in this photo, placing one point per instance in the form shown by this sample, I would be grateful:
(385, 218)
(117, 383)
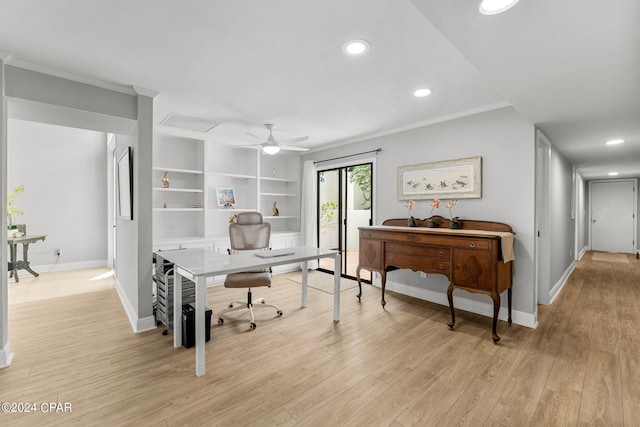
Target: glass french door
(344, 203)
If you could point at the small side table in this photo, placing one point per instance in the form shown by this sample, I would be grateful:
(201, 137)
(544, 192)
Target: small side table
(24, 263)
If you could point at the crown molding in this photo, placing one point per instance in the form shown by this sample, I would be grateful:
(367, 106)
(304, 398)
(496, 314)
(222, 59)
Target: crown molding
(145, 92)
(448, 117)
(68, 75)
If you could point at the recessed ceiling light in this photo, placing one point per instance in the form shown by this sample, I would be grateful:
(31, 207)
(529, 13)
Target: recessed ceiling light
(613, 173)
(421, 93)
(615, 141)
(356, 47)
(493, 7)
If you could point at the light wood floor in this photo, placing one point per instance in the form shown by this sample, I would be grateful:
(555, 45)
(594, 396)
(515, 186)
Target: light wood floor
(59, 283)
(397, 366)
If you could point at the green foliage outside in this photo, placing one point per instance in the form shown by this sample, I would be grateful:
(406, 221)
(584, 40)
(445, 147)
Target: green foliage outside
(328, 212)
(361, 176)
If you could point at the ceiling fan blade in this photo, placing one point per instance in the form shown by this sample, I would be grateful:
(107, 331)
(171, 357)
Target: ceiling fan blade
(256, 136)
(293, 140)
(289, 148)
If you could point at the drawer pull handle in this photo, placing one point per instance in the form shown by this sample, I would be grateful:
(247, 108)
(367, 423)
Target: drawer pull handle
(441, 253)
(441, 266)
(472, 244)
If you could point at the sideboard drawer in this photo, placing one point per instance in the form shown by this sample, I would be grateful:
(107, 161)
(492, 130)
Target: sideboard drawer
(418, 250)
(471, 243)
(416, 262)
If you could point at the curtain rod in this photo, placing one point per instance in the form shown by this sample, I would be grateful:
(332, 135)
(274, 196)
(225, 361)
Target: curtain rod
(377, 150)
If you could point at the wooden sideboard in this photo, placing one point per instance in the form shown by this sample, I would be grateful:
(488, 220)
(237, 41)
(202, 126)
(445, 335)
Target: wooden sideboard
(470, 257)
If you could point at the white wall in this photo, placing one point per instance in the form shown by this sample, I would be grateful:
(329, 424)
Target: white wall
(134, 237)
(63, 171)
(39, 97)
(561, 225)
(638, 219)
(582, 238)
(506, 143)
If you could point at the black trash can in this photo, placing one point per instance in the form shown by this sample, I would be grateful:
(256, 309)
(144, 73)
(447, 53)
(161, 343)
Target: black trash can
(189, 325)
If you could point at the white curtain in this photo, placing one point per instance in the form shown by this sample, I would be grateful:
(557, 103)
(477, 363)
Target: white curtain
(309, 211)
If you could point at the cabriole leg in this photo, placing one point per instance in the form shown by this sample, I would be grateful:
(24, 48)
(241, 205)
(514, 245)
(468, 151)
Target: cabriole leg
(509, 301)
(383, 277)
(453, 313)
(359, 284)
(496, 309)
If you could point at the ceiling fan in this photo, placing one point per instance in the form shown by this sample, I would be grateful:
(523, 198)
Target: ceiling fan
(272, 146)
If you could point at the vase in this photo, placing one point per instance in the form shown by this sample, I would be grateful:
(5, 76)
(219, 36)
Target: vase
(433, 223)
(454, 224)
(412, 222)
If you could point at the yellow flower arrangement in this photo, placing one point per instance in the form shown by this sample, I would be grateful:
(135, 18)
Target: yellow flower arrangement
(13, 210)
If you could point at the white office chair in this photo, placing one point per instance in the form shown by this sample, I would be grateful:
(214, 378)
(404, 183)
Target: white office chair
(249, 233)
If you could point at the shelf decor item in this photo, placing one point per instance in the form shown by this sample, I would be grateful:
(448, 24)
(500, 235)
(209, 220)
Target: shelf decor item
(412, 220)
(460, 179)
(453, 221)
(226, 197)
(165, 180)
(434, 221)
(276, 212)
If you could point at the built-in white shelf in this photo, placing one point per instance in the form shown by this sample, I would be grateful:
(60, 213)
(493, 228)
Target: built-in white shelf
(177, 209)
(175, 170)
(233, 210)
(232, 175)
(279, 194)
(198, 167)
(182, 190)
(267, 178)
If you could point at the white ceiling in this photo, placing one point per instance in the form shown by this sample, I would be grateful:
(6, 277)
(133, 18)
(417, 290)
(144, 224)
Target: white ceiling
(566, 66)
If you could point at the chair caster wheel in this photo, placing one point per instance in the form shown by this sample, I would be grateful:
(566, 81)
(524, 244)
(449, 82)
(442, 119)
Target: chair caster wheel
(230, 305)
(252, 325)
(279, 312)
(220, 320)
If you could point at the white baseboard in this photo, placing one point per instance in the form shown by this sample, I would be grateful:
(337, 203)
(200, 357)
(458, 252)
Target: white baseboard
(555, 291)
(582, 252)
(137, 324)
(486, 309)
(6, 355)
(49, 268)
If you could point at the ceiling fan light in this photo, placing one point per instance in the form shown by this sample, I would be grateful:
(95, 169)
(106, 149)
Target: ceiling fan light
(356, 47)
(494, 7)
(270, 149)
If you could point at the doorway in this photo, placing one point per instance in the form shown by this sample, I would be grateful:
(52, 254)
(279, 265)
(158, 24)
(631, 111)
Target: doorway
(345, 200)
(612, 215)
(543, 237)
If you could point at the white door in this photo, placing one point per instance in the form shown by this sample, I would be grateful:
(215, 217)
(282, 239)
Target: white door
(613, 216)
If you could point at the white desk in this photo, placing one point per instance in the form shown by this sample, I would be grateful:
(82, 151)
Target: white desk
(199, 264)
